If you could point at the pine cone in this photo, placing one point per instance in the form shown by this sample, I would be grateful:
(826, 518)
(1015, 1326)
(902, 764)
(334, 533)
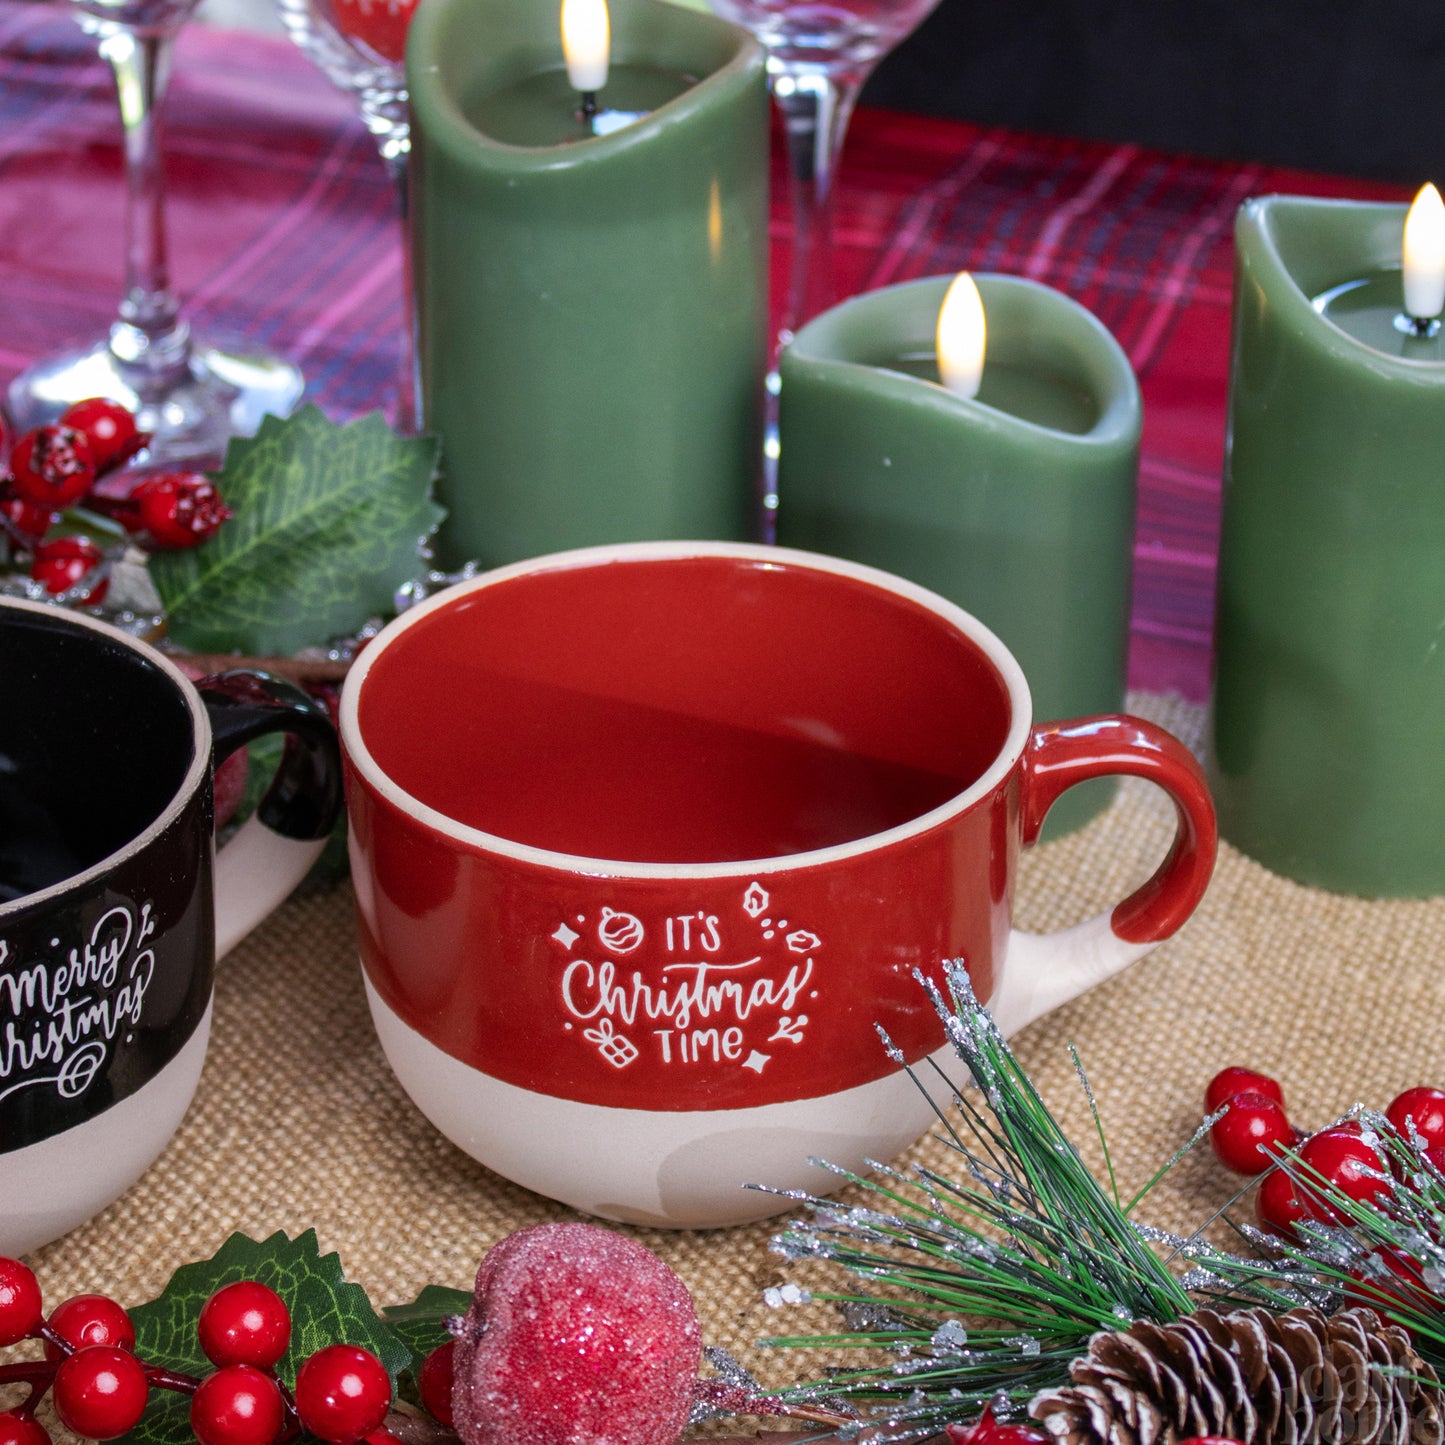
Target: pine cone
(1298, 1378)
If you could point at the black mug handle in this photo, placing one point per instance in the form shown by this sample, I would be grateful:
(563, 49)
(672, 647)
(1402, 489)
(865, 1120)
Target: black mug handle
(273, 849)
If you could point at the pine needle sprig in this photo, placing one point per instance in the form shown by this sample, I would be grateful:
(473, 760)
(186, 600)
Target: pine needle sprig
(984, 1287)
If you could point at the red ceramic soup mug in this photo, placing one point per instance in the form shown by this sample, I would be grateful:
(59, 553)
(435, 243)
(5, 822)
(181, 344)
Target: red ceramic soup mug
(647, 838)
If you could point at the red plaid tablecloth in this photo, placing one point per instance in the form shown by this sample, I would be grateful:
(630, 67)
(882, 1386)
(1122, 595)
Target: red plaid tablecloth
(283, 231)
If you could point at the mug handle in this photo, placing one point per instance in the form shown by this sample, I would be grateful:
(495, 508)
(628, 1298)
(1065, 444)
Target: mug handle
(273, 849)
(1042, 971)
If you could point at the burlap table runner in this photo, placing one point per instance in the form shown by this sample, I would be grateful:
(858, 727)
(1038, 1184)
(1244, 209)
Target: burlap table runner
(299, 1123)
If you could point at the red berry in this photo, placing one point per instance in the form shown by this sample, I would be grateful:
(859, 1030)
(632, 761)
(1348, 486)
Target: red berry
(1345, 1162)
(18, 1429)
(25, 520)
(987, 1431)
(65, 563)
(90, 1319)
(244, 1323)
(1277, 1207)
(238, 1405)
(342, 1393)
(100, 1392)
(52, 466)
(1251, 1135)
(1425, 1109)
(179, 509)
(1211, 1440)
(434, 1383)
(1396, 1282)
(1237, 1080)
(21, 1308)
(557, 1308)
(109, 428)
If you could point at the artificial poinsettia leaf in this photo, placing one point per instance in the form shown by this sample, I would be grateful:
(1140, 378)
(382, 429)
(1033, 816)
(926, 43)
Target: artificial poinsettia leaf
(325, 1309)
(328, 523)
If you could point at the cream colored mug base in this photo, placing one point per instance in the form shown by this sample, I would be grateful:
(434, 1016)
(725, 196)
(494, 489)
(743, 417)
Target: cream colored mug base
(50, 1187)
(685, 1170)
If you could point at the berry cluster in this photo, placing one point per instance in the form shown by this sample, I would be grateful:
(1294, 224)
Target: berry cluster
(55, 467)
(1251, 1136)
(100, 1386)
(1253, 1130)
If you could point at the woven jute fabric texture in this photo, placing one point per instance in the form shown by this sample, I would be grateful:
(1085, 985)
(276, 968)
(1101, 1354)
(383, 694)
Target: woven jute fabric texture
(299, 1123)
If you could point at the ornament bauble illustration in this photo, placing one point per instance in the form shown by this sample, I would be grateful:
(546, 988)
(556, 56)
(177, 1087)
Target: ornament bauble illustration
(619, 932)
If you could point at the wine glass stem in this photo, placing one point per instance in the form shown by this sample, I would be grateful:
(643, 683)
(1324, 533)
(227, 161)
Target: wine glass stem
(408, 398)
(815, 107)
(148, 338)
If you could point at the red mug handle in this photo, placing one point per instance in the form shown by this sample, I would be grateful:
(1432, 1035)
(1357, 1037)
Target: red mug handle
(1042, 971)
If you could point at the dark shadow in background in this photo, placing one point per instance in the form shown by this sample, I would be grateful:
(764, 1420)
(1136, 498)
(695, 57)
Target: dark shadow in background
(1353, 86)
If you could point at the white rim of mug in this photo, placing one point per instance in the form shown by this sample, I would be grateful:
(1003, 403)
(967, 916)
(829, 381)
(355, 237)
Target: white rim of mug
(200, 762)
(1020, 703)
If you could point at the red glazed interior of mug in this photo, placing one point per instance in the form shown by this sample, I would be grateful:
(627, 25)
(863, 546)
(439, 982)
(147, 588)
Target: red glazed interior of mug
(696, 709)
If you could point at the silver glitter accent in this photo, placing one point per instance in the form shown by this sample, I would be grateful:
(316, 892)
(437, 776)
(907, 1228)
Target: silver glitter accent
(776, 1296)
(889, 1047)
(867, 1318)
(730, 1370)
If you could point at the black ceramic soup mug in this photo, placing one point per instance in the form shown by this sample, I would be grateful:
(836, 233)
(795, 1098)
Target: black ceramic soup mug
(114, 904)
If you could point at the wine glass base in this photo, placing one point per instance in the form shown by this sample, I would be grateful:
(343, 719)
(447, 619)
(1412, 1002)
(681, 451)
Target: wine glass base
(223, 394)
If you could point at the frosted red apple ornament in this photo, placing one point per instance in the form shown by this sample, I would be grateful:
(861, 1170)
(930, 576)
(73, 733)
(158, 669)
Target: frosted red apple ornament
(556, 1309)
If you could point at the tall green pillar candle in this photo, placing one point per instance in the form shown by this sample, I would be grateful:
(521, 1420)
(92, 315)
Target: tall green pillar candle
(592, 307)
(1328, 732)
(1017, 504)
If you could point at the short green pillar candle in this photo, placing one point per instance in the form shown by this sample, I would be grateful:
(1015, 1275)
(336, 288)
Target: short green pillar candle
(1327, 750)
(592, 306)
(1017, 504)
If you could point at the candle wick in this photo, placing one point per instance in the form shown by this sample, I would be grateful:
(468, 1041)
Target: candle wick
(589, 107)
(1423, 327)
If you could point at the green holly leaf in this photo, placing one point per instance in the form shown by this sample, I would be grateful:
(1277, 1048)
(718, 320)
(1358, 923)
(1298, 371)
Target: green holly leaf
(325, 1309)
(328, 523)
(421, 1323)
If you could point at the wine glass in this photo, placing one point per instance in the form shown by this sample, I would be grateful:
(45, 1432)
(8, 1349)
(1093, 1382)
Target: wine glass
(360, 46)
(819, 56)
(190, 397)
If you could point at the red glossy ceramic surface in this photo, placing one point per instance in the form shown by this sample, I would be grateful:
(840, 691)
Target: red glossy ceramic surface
(673, 832)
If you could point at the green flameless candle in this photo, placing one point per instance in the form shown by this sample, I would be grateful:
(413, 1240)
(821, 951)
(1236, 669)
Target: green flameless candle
(592, 306)
(1017, 504)
(1329, 698)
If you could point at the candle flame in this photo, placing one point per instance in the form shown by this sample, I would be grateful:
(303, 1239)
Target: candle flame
(1425, 254)
(586, 43)
(962, 337)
